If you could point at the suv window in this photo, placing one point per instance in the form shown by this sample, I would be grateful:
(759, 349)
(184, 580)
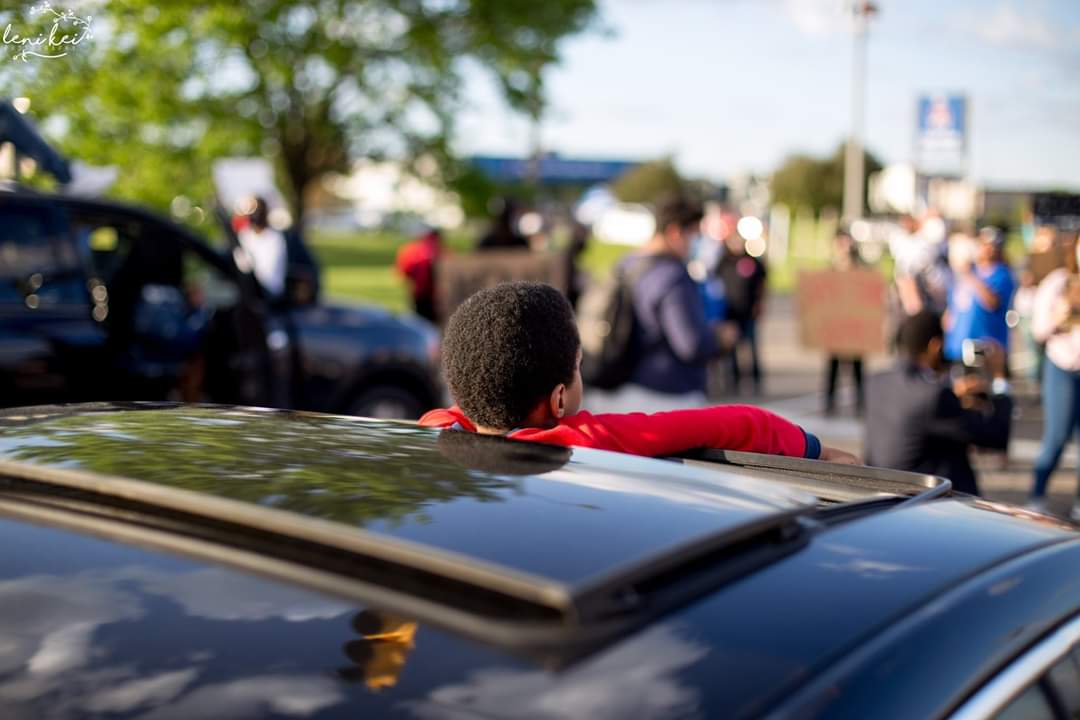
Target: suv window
(206, 286)
(38, 267)
(128, 255)
(123, 250)
(1032, 704)
(1054, 695)
(1043, 682)
(1064, 679)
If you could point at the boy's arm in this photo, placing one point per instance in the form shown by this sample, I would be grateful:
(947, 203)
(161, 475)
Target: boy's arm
(726, 427)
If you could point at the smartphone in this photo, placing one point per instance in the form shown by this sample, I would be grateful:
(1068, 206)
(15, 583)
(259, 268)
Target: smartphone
(973, 354)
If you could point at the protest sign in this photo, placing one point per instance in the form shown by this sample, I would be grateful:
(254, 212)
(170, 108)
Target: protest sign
(459, 276)
(842, 312)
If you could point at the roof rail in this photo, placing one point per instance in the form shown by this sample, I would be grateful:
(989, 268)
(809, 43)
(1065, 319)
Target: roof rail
(849, 482)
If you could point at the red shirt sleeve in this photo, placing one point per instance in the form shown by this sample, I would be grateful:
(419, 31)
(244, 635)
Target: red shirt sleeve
(447, 417)
(725, 427)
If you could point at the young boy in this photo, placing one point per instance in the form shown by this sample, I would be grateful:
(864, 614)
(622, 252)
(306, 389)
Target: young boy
(512, 359)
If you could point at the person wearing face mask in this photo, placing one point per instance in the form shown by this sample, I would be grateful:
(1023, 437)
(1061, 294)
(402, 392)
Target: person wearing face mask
(1055, 321)
(916, 421)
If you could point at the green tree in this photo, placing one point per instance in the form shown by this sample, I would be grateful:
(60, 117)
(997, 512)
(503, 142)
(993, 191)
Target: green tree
(162, 89)
(650, 182)
(816, 183)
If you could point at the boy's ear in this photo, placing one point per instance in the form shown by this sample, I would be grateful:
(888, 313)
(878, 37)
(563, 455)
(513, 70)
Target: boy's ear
(557, 400)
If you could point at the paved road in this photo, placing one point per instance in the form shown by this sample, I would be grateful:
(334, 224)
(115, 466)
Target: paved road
(793, 384)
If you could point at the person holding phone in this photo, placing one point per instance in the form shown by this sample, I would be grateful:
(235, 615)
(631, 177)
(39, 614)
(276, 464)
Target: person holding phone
(917, 420)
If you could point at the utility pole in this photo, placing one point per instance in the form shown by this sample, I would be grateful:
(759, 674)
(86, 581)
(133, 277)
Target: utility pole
(854, 171)
(535, 151)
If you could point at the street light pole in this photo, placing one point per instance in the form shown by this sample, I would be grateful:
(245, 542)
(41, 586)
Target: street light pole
(854, 171)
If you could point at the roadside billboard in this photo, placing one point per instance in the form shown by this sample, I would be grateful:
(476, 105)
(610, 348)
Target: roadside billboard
(941, 125)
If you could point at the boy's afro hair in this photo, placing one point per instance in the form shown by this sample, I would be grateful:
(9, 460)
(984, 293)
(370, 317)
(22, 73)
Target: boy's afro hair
(506, 348)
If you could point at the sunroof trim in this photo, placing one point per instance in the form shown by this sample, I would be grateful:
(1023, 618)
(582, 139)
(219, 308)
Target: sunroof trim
(865, 475)
(595, 590)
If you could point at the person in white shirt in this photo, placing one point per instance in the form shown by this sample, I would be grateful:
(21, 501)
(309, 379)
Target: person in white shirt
(265, 249)
(1056, 322)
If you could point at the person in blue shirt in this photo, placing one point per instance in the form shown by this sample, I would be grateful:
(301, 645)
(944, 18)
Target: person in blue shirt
(980, 297)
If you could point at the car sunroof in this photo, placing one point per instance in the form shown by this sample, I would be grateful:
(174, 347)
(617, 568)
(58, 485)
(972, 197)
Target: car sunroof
(543, 523)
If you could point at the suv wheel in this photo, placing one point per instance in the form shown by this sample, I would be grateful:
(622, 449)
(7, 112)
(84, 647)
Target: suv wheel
(386, 402)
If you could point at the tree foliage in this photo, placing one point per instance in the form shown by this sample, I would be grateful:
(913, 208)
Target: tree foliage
(650, 182)
(816, 183)
(162, 89)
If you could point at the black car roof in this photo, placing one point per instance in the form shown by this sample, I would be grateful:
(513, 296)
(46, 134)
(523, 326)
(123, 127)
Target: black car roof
(17, 192)
(515, 516)
(546, 525)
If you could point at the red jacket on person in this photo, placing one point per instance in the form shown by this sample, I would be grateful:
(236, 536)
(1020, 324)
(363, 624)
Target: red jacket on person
(416, 261)
(724, 427)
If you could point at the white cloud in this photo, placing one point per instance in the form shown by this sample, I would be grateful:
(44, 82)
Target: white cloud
(1007, 26)
(819, 17)
(219, 594)
(47, 622)
(715, 490)
(47, 645)
(64, 649)
(864, 566)
(294, 696)
(153, 690)
(637, 679)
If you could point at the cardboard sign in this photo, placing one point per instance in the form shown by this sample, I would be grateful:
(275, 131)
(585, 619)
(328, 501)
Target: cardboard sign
(1042, 264)
(459, 276)
(842, 312)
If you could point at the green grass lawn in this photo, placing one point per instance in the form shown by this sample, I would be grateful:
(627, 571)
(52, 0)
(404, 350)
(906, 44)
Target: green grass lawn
(599, 258)
(359, 266)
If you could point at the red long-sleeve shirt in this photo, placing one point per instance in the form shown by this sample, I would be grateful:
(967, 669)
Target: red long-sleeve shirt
(416, 261)
(724, 427)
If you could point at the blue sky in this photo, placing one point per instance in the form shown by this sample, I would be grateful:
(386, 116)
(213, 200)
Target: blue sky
(733, 85)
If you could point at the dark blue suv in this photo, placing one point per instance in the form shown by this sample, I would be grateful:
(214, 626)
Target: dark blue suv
(104, 301)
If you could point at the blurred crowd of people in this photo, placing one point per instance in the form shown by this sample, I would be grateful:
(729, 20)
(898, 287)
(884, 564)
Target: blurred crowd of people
(697, 305)
(965, 281)
(699, 286)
